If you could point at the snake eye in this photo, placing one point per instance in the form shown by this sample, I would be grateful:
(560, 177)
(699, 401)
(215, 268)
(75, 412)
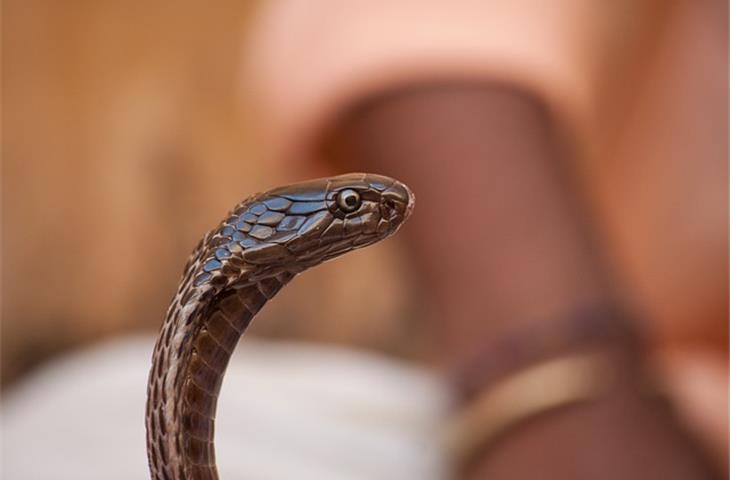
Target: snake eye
(348, 200)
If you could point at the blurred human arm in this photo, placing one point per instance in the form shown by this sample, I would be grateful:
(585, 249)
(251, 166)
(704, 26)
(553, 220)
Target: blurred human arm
(584, 65)
(502, 244)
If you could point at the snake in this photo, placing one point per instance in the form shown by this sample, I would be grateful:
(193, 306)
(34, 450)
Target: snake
(265, 241)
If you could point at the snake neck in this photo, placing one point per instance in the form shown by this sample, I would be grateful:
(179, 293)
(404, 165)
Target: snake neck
(190, 358)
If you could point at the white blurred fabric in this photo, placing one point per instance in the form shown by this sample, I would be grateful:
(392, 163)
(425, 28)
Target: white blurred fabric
(286, 411)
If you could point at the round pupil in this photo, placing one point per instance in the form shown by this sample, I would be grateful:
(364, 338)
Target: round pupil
(349, 200)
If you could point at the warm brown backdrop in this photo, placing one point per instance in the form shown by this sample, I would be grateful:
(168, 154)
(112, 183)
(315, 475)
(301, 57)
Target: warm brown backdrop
(127, 134)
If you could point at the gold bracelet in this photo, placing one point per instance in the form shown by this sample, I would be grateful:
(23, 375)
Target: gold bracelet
(536, 390)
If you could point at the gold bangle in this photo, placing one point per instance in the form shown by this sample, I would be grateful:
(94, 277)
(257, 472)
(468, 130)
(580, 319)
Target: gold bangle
(536, 390)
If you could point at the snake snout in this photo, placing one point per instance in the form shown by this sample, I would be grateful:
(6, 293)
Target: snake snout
(397, 202)
(411, 203)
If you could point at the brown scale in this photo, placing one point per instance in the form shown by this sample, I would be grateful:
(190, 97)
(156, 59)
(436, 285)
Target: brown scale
(231, 274)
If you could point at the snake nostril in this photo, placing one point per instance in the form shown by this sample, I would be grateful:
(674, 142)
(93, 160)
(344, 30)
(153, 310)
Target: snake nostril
(389, 209)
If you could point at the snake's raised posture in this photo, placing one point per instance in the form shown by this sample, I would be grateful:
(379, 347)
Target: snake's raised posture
(265, 241)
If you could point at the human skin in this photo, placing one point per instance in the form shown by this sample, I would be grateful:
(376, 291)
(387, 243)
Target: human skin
(501, 244)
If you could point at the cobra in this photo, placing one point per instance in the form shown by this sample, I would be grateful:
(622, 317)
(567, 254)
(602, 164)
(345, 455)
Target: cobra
(236, 268)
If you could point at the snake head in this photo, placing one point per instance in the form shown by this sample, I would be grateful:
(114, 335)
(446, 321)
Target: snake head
(295, 227)
(318, 220)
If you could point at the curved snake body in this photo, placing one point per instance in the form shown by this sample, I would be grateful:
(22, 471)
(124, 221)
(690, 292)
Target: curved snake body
(235, 269)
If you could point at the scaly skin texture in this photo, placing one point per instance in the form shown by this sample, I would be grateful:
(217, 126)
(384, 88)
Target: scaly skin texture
(235, 269)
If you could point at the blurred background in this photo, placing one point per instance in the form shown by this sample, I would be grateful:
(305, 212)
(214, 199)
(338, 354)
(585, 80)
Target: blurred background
(130, 128)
